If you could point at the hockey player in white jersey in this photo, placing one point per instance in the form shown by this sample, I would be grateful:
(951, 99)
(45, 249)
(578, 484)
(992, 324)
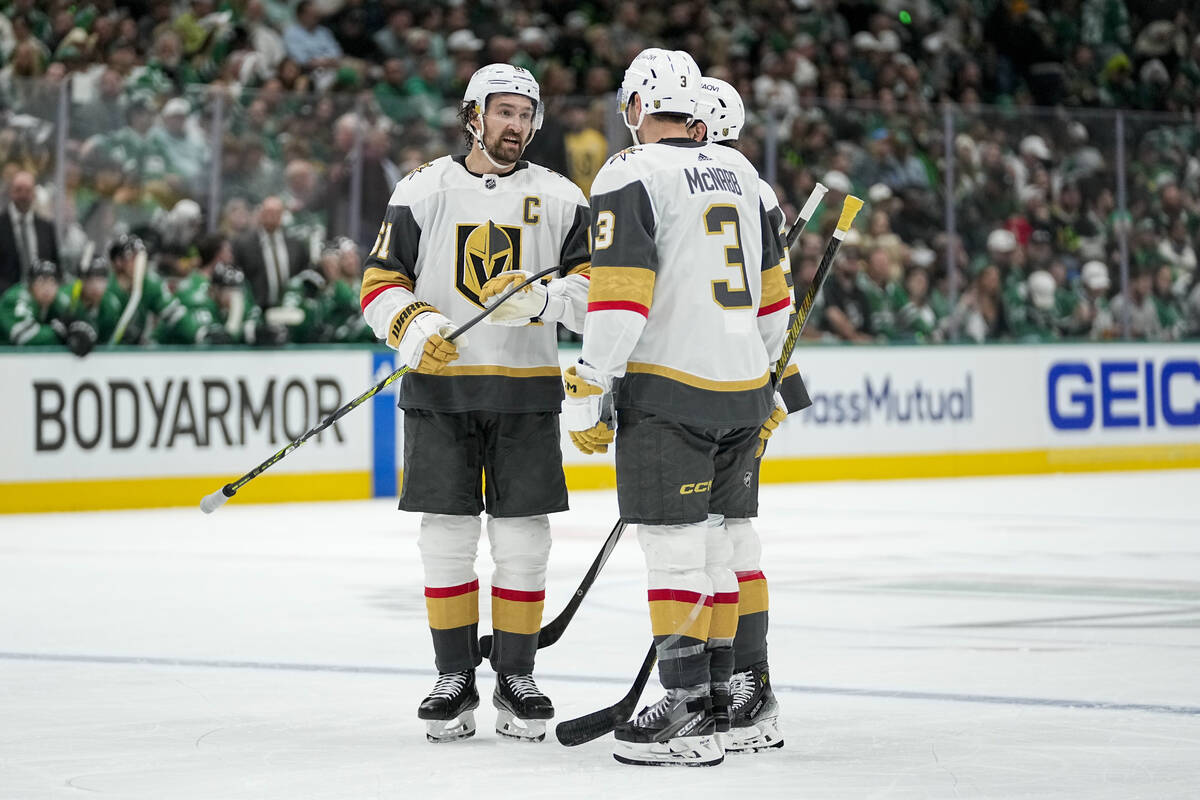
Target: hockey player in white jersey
(686, 315)
(753, 711)
(489, 407)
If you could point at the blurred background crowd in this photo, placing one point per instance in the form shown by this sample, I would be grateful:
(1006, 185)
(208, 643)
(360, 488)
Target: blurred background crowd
(1031, 168)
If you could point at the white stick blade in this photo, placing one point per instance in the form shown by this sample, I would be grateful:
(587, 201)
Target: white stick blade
(214, 501)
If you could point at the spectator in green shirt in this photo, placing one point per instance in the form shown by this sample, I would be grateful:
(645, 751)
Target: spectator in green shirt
(1172, 320)
(35, 313)
(92, 306)
(916, 318)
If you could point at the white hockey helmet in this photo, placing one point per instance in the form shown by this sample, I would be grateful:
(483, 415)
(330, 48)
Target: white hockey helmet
(721, 110)
(504, 79)
(667, 81)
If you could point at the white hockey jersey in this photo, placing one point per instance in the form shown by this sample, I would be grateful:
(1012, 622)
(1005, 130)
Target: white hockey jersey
(446, 232)
(688, 302)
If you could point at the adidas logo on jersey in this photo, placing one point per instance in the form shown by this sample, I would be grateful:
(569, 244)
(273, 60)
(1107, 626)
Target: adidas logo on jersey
(703, 157)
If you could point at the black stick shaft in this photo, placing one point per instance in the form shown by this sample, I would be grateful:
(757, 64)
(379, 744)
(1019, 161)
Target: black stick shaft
(850, 208)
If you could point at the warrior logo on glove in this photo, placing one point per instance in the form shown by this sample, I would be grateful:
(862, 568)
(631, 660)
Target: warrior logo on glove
(482, 252)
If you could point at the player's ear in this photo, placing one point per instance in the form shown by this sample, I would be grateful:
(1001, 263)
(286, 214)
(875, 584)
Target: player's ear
(633, 108)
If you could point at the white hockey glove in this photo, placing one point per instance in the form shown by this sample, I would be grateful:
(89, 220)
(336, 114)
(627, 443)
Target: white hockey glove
(418, 333)
(587, 411)
(523, 308)
(778, 415)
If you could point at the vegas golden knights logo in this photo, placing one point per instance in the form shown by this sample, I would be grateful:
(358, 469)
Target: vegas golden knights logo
(483, 252)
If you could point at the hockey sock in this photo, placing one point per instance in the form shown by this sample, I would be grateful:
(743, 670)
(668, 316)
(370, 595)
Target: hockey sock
(750, 642)
(680, 599)
(520, 548)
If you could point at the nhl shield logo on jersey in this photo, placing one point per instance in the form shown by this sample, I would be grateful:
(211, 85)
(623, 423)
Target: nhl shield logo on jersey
(482, 252)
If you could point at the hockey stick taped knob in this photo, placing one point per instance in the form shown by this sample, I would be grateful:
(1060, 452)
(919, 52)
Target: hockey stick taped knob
(215, 500)
(814, 200)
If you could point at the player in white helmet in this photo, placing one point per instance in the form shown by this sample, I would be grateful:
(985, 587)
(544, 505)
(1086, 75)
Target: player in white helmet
(456, 233)
(753, 710)
(686, 317)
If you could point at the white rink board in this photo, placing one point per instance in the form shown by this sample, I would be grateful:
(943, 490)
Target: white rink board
(955, 399)
(140, 415)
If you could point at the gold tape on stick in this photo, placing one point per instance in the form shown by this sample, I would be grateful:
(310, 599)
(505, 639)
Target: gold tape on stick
(850, 209)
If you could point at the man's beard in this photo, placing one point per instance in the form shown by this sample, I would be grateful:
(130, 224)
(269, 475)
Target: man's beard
(505, 148)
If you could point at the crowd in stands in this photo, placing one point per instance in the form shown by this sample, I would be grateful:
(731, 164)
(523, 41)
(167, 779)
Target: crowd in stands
(264, 137)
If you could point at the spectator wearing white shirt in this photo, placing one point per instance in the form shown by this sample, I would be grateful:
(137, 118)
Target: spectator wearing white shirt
(309, 43)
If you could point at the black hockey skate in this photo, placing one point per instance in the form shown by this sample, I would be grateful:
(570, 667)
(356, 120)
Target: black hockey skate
(449, 709)
(521, 708)
(754, 712)
(678, 730)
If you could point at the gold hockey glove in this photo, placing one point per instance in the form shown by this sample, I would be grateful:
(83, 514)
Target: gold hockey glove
(778, 415)
(584, 410)
(418, 333)
(523, 308)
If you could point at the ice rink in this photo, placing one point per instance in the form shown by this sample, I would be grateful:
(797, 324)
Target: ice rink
(976, 638)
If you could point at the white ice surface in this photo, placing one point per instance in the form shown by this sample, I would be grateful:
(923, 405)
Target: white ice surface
(990, 638)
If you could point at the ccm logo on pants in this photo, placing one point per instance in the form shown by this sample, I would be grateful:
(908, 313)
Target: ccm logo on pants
(695, 488)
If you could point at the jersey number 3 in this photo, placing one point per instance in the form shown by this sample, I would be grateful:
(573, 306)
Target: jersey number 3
(716, 218)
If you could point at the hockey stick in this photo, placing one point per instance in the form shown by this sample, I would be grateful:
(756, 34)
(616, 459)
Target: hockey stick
(596, 724)
(135, 296)
(552, 632)
(850, 208)
(218, 498)
(591, 726)
(806, 212)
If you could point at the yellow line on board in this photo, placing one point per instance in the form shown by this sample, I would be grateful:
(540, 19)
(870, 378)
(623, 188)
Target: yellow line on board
(998, 462)
(942, 465)
(92, 495)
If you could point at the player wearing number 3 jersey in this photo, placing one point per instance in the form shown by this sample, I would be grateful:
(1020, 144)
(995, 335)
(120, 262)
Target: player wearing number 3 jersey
(687, 313)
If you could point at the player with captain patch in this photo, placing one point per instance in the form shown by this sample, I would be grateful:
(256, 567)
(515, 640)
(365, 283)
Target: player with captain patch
(457, 233)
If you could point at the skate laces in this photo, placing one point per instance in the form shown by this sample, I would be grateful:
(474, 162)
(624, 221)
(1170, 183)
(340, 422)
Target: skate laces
(449, 684)
(522, 686)
(651, 713)
(741, 688)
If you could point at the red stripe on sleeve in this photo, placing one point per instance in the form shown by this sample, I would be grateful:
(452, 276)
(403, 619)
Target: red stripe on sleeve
(750, 576)
(518, 595)
(619, 305)
(366, 301)
(452, 591)
(771, 309)
(725, 597)
(678, 595)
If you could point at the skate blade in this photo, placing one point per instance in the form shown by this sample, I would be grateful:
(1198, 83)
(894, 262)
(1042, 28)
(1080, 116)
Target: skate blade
(682, 751)
(440, 731)
(764, 735)
(517, 729)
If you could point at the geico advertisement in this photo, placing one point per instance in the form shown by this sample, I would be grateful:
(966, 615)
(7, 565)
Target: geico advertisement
(1142, 393)
(142, 415)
